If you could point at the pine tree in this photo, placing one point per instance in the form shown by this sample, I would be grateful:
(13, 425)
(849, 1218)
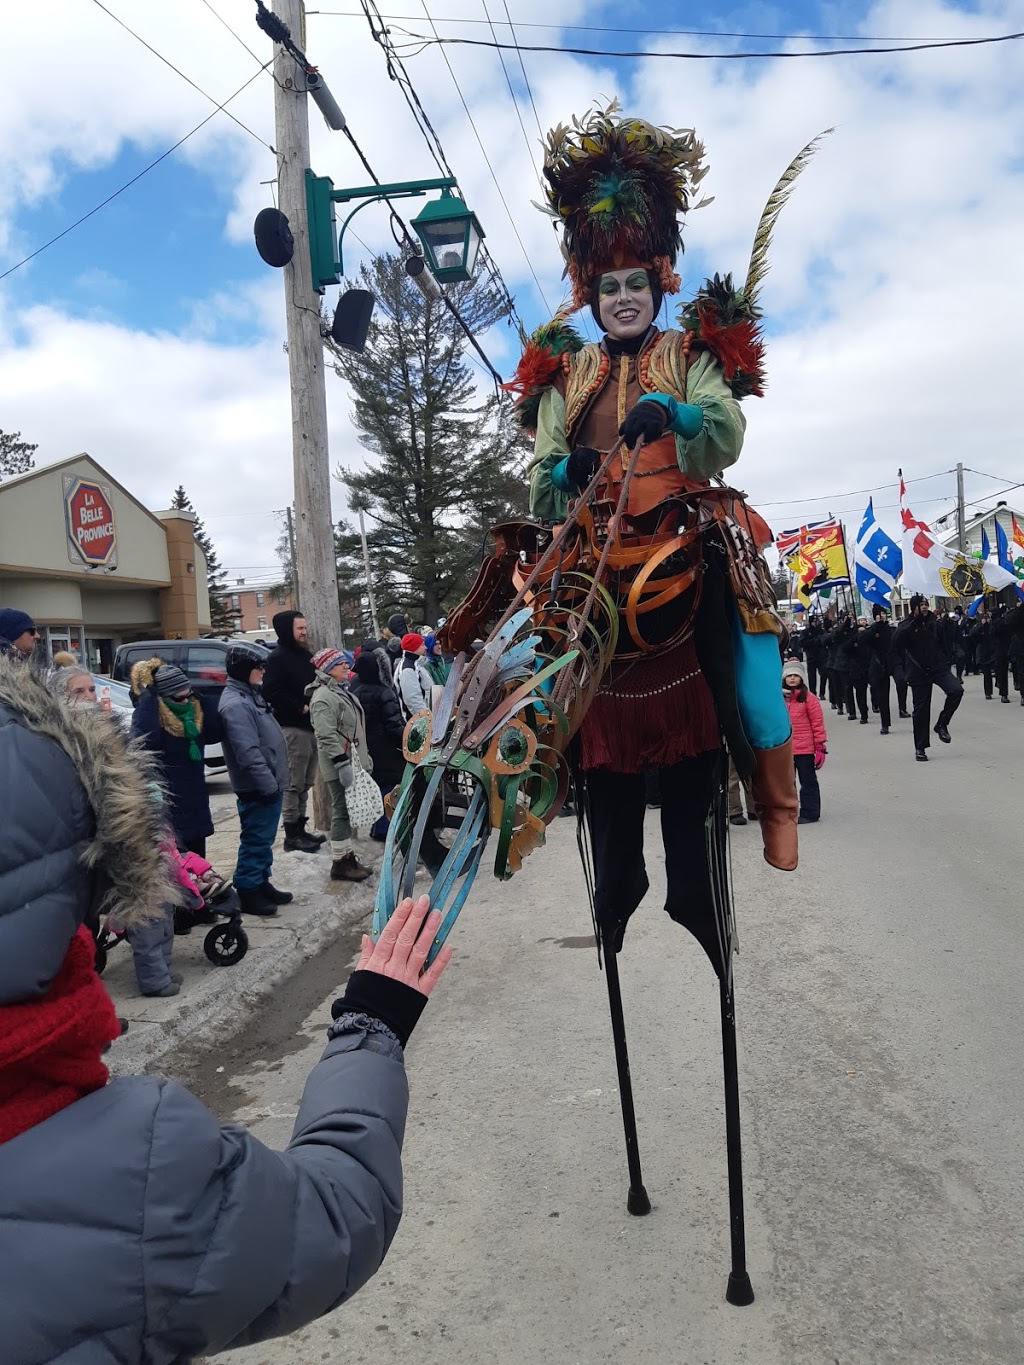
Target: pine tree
(222, 621)
(15, 454)
(447, 459)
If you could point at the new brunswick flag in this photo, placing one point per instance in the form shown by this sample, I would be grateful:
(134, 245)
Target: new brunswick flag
(820, 563)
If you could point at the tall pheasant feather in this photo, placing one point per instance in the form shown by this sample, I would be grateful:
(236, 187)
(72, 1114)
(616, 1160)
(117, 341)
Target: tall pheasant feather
(777, 200)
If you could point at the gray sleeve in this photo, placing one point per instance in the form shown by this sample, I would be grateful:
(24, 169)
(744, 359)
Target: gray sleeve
(241, 730)
(243, 1243)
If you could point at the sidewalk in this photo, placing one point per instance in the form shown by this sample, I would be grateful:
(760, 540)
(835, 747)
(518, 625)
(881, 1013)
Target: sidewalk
(215, 1001)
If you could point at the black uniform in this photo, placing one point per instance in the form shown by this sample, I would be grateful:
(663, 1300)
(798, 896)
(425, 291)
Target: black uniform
(1001, 651)
(984, 652)
(878, 639)
(917, 640)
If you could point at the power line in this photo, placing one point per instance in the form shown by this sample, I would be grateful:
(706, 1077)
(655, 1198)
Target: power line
(255, 56)
(128, 183)
(522, 67)
(420, 42)
(652, 32)
(512, 93)
(487, 160)
(178, 72)
(852, 492)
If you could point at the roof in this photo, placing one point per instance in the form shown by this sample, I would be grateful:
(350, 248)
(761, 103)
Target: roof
(43, 470)
(945, 528)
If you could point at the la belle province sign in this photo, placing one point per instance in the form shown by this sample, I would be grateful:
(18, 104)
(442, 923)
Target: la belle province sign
(89, 515)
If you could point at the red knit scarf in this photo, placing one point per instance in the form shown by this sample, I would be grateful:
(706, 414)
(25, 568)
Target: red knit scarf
(50, 1048)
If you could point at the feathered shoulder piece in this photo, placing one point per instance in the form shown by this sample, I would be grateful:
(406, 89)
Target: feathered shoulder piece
(540, 362)
(617, 186)
(727, 321)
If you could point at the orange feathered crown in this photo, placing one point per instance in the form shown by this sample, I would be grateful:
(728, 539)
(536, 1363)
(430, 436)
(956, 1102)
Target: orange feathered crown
(618, 186)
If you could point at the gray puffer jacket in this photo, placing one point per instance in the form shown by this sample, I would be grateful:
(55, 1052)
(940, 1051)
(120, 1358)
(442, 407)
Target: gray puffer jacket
(134, 1229)
(254, 745)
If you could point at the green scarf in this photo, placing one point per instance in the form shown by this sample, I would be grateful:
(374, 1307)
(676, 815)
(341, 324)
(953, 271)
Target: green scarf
(185, 711)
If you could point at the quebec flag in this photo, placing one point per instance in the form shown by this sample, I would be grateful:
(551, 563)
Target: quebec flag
(877, 560)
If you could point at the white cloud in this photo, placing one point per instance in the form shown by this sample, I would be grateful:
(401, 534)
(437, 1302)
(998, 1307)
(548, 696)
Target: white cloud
(892, 299)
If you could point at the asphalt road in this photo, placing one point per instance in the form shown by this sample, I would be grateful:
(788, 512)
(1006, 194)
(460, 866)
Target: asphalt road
(879, 1003)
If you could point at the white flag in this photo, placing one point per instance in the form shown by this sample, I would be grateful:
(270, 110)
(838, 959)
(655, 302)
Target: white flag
(937, 571)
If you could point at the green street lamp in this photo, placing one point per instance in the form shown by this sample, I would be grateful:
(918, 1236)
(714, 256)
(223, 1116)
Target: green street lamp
(451, 235)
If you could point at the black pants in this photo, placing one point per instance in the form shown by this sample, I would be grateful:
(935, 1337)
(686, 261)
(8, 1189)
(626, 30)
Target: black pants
(944, 680)
(197, 846)
(857, 692)
(836, 688)
(986, 678)
(616, 803)
(812, 678)
(810, 792)
(1003, 677)
(880, 699)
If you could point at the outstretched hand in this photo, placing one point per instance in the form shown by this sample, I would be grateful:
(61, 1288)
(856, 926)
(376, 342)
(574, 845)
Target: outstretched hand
(402, 948)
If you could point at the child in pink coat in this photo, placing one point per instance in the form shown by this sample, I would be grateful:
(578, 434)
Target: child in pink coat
(808, 737)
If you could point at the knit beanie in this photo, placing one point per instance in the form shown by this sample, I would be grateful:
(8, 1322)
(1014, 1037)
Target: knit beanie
(240, 661)
(169, 680)
(430, 641)
(327, 659)
(14, 623)
(412, 642)
(797, 667)
(396, 624)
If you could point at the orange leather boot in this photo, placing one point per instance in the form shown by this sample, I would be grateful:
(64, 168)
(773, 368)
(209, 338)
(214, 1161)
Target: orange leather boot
(775, 803)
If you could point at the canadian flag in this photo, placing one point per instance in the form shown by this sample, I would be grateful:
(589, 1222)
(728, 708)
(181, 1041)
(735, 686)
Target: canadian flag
(937, 571)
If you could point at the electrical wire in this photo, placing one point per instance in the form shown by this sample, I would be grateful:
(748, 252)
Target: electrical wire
(651, 32)
(218, 16)
(487, 161)
(187, 79)
(522, 67)
(420, 42)
(852, 492)
(135, 178)
(515, 102)
(397, 72)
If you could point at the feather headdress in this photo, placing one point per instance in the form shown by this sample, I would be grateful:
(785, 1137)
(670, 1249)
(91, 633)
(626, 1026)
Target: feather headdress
(617, 186)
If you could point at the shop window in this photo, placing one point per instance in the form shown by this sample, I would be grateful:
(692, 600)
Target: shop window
(205, 663)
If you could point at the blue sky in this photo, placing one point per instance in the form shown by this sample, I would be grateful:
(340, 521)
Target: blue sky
(163, 330)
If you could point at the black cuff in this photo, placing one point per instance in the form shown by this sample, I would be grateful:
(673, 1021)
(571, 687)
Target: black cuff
(392, 1002)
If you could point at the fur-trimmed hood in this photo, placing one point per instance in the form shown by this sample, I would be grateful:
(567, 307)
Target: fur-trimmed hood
(142, 677)
(121, 785)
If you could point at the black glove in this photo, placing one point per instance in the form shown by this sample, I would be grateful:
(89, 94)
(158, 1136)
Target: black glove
(582, 466)
(648, 420)
(392, 1002)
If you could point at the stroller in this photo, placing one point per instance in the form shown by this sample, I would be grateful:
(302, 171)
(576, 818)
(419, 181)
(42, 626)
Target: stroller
(205, 894)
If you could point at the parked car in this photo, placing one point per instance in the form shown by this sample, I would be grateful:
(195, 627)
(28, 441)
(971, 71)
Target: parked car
(201, 660)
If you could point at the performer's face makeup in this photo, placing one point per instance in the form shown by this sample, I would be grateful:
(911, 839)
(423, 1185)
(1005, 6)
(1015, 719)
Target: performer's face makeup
(625, 303)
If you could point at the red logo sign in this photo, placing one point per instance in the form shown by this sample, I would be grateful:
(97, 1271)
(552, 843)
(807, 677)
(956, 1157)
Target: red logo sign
(90, 517)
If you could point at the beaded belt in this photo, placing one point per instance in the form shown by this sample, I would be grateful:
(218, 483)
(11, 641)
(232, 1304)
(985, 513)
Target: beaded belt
(654, 691)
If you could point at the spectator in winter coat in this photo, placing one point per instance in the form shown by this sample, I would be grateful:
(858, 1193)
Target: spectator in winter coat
(809, 737)
(385, 727)
(172, 723)
(917, 640)
(288, 673)
(133, 1228)
(433, 661)
(412, 681)
(341, 742)
(375, 649)
(18, 634)
(257, 762)
(397, 627)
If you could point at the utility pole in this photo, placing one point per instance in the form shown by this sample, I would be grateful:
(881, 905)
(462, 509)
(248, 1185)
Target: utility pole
(369, 578)
(312, 539)
(961, 511)
(291, 557)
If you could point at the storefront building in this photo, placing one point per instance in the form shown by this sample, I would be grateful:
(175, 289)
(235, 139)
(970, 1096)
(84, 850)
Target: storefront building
(93, 567)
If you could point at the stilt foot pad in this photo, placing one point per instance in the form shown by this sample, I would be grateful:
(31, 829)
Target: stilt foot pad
(637, 1202)
(740, 1291)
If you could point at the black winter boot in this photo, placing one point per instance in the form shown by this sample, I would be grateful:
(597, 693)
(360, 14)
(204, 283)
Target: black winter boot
(318, 839)
(254, 901)
(296, 840)
(276, 897)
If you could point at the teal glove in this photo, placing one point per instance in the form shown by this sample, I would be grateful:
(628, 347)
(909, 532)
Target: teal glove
(684, 419)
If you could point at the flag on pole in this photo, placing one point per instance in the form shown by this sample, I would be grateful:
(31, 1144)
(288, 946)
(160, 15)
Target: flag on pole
(1018, 532)
(877, 559)
(788, 541)
(1003, 551)
(820, 563)
(986, 548)
(935, 570)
